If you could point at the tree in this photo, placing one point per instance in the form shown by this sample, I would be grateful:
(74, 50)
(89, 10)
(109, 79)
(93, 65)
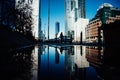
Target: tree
(23, 17)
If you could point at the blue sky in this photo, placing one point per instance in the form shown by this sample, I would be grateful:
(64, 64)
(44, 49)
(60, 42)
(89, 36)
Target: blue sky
(57, 12)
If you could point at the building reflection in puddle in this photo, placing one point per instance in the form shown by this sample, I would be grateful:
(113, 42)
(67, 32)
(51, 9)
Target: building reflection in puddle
(79, 63)
(34, 69)
(94, 55)
(65, 63)
(105, 61)
(76, 65)
(51, 64)
(44, 62)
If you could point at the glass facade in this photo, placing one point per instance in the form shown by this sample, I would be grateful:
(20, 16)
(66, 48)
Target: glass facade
(81, 8)
(106, 11)
(75, 18)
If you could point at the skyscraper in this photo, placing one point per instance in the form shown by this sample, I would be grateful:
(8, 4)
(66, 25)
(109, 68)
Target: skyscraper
(75, 19)
(36, 18)
(81, 8)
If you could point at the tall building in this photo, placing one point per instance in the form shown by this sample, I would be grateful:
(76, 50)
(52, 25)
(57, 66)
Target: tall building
(105, 15)
(81, 8)
(36, 18)
(75, 19)
(105, 11)
(57, 28)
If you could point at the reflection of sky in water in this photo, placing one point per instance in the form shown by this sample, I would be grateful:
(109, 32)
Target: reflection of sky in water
(74, 63)
(48, 65)
(70, 63)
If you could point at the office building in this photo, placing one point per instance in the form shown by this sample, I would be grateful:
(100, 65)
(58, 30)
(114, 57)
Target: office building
(105, 14)
(36, 18)
(75, 19)
(105, 11)
(92, 30)
(81, 8)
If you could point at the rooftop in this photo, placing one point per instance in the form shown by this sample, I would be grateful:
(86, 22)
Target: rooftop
(104, 5)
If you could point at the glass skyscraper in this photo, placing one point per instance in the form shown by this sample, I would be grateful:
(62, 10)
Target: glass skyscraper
(75, 19)
(81, 8)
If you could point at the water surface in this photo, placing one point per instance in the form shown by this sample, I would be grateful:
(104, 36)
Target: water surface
(76, 62)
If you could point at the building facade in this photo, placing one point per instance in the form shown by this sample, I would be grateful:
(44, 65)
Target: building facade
(105, 15)
(81, 8)
(75, 19)
(36, 18)
(92, 30)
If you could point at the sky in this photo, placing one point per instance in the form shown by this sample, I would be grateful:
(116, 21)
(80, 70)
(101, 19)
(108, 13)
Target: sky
(57, 13)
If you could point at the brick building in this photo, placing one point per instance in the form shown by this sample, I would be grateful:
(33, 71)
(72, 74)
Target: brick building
(106, 14)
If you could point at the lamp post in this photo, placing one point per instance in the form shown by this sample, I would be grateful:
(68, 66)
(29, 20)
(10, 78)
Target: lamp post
(48, 17)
